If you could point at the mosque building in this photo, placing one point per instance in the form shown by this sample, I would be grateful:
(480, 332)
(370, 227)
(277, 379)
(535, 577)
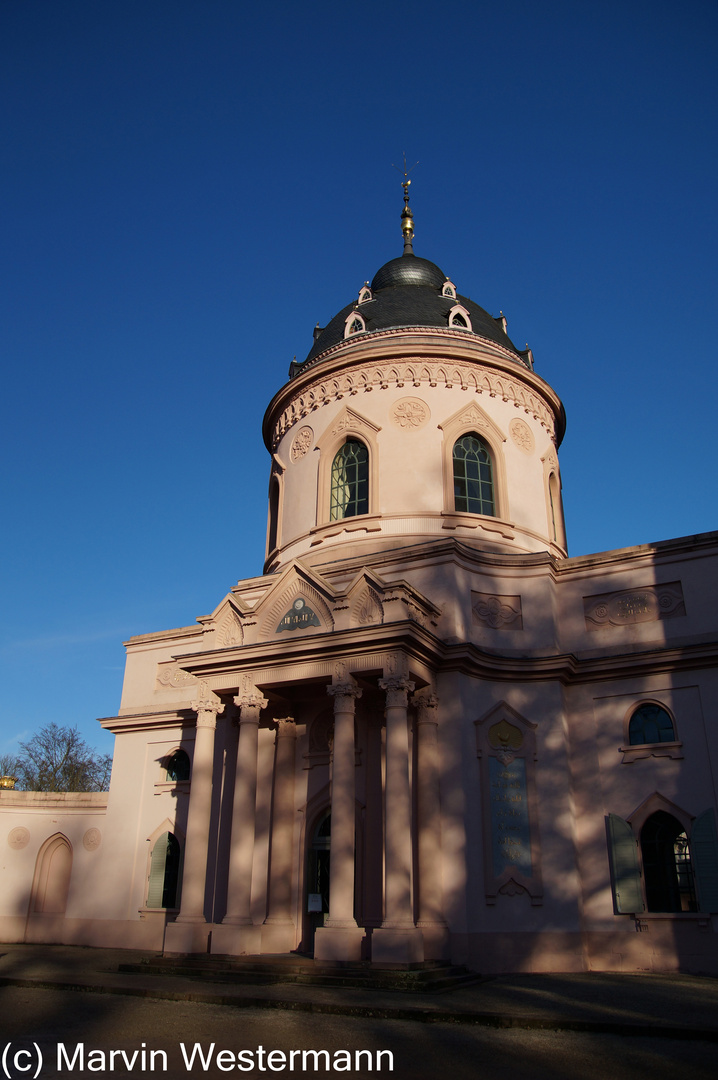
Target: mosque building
(424, 733)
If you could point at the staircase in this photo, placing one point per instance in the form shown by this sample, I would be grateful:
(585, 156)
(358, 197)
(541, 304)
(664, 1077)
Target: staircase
(431, 976)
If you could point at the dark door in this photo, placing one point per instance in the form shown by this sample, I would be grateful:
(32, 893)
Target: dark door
(317, 891)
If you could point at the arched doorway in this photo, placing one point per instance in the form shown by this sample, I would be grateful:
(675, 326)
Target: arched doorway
(667, 869)
(317, 880)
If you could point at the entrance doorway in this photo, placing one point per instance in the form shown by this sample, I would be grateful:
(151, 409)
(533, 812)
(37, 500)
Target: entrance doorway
(317, 892)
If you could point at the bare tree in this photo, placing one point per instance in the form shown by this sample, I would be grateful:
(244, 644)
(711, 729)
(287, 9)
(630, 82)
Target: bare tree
(58, 759)
(8, 765)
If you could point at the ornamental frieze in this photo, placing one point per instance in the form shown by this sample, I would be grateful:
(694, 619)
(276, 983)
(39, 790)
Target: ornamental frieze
(172, 675)
(649, 604)
(413, 372)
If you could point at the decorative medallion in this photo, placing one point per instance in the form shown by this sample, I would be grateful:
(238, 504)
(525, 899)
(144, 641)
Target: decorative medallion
(92, 839)
(506, 739)
(410, 414)
(302, 443)
(522, 435)
(497, 612)
(299, 616)
(18, 838)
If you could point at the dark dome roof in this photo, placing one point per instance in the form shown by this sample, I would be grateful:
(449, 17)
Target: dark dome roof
(406, 293)
(408, 270)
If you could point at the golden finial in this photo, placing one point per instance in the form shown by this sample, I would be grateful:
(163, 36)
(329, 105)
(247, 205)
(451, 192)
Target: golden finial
(407, 218)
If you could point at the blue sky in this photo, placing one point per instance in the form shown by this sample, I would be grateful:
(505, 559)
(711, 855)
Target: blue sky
(188, 187)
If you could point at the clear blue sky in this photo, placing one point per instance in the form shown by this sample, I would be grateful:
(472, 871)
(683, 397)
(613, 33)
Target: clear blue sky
(188, 186)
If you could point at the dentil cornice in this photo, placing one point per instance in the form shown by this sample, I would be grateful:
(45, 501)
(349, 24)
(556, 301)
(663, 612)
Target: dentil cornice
(381, 362)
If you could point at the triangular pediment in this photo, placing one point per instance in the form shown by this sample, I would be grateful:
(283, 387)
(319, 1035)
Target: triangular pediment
(473, 417)
(224, 628)
(300, 602)
(347, 422)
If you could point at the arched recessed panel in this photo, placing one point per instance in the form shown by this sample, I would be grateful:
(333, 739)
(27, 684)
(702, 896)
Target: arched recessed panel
(52, 877)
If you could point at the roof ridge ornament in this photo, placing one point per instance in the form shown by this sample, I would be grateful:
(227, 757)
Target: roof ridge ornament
(407, 218)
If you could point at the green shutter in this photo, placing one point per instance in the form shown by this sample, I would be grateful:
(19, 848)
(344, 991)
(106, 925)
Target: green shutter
(625, 872)
(704, 857)
(157, 872)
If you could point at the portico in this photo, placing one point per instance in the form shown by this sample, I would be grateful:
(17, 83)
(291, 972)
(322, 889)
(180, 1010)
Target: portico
(344, 724)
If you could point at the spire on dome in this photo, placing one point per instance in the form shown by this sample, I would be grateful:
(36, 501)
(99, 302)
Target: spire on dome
(407, 218)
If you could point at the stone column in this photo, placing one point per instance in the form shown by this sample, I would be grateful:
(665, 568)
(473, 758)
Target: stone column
(340, 937)
(188, 933)
(431, 914)
(280, 931)
(237, 934)
(397, 940)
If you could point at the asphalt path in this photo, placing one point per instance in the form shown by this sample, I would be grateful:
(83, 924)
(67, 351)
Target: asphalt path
(32, 1018)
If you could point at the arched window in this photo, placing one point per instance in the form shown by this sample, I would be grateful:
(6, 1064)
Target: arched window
(667, 867)
(554, 504)
(273, 515)
(177, 766)
(650, 723)
(350, 481)
(473, 476)
(459, 316)
(354, 324)
(164, 884)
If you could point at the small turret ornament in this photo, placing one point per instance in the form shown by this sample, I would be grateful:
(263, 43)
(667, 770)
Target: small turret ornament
(407, 218)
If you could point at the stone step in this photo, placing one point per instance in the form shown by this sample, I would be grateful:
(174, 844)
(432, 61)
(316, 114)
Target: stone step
(301, 970)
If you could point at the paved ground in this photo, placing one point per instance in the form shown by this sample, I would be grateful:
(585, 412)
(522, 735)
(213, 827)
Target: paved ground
(534, 1027)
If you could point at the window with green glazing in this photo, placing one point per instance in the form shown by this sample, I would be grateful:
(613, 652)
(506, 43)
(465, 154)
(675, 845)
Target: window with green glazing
(650, 724)
(473, 476)
(177, 766)
(350, 481)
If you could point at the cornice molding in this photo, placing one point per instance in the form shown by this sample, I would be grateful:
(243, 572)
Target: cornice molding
(422, 647)
(479, 366)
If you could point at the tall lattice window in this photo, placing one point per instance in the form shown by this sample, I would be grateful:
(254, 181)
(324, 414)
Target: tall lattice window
(473, 476)
(350, 481)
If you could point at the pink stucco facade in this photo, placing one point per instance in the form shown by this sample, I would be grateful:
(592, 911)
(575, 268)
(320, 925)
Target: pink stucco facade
(418, 735)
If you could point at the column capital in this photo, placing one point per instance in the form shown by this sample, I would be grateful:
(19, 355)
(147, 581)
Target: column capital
(207, 706)
(250, 703)
(286, 727)
(397, 688)
(426, 703)
(344, 689)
